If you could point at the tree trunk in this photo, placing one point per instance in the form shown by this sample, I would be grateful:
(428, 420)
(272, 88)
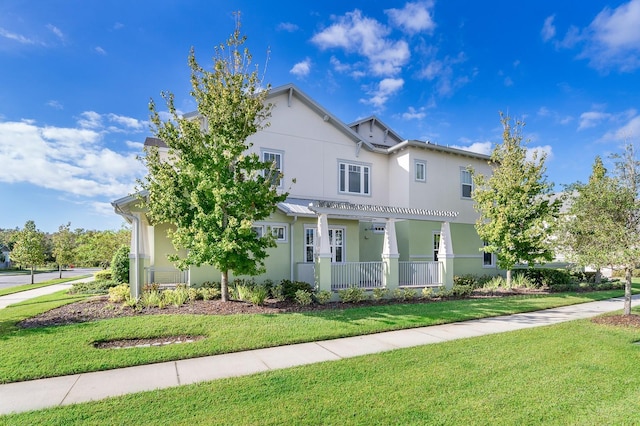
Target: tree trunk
(598, 277)
(60, 270)
(224, 286)
(32, 275)
(628, 272)
(508, 278)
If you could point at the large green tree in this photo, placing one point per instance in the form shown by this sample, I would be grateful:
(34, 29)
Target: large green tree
(589, 231)
(211, 189)
(64, 246)
(29, 247)
(516, 210)
(96, 248)
(627, 212)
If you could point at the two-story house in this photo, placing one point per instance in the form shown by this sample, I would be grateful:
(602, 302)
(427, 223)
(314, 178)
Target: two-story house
(368, 208)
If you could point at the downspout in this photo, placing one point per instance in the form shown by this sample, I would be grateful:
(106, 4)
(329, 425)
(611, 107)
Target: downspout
(291, 241)
(135, 221)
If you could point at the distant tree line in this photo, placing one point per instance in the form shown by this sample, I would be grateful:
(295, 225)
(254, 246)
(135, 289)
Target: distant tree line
(30, 247)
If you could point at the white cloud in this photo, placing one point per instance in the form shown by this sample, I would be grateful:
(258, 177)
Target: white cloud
(367, 37)
(508, 82)
(99, 50)
(301, 69)
(484, 148)
(414, 17)
(138, 146)
(55, 104)
(548, 29)
(414, 114)
(592, 118)
(71, 160)
(544, 111)
(385, 89)
(118, 26)
(442, 73)
(629, 131)
(90, 120)
(287, 26)
(15, 37)
(128, 122)
(56, 31)
(611, 41)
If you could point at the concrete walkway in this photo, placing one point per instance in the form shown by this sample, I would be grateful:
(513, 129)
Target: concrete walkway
(21, 296)
(37, 394)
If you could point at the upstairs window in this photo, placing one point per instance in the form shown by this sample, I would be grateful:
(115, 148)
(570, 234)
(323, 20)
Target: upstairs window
(354, 178)
(420, 168)
(466, 183)
(488, 259)
(274, 157)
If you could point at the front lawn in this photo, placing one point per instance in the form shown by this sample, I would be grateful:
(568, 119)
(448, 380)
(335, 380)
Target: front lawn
(571, 373)
(61, 350)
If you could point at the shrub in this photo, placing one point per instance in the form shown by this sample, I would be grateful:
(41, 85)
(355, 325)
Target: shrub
(461, 290)
(209, 293)
(277, 292)
(194, 294)
(150, 299)
(521, 281)
(545, 277)
(404, 294)
(351, 295)
(105, 274)
(323, 296)
(119, 293)
(380, 293)
(427, 292)
(495, 283)
(257, 295)
(93, 287)
(444, 291)
(289, 288)
(120, 265)
(303, 297)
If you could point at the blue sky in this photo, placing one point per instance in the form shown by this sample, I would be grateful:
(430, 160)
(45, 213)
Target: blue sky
(76, 78)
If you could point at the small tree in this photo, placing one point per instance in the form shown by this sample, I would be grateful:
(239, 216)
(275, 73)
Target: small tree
(64, 246)
(516, 213)
(210, 188)
(29, 248)
(120, 265)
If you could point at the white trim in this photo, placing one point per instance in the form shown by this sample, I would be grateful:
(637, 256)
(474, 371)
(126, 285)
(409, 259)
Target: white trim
(422, 163)
(365, 168)
(279, 153)
(462, 184)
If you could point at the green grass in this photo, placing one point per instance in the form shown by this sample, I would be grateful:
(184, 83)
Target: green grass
(571, 373)
(25, 287)
(69, 349)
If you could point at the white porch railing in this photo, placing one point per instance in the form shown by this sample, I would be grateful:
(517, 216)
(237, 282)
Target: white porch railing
(420, 274)
(356, 274)
(153, 275)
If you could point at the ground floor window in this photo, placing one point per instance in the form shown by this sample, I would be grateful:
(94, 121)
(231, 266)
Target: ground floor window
(436, 245)
(336, 244)
(488, 259)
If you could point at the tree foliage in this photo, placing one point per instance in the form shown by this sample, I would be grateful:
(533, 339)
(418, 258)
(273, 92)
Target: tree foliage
(120, 265)
(210, 188)
(29, 247)
(64, 246)
(516, 212)
(96, 248)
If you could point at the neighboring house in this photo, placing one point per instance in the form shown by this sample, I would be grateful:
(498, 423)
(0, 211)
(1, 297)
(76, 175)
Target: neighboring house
(368, 208)
(5, 260)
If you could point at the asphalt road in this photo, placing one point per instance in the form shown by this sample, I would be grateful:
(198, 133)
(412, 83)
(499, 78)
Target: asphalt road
(14, 280)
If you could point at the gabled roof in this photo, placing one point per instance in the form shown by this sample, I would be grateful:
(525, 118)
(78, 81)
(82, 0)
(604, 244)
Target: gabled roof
(391, 137)
(439, 148)
(293, 90)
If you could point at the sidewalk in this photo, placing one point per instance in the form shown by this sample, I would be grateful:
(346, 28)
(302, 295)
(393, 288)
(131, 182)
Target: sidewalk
(43, 393)
(10, 299)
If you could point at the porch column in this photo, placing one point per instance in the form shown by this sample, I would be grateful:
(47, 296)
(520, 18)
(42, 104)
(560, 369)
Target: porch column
(445, 255)
(323, 258)
(136, 260)
(390, 255)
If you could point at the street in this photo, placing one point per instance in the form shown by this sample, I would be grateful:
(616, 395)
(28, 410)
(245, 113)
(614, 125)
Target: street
(7, 281)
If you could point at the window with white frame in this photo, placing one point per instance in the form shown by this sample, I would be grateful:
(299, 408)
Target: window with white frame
(354, 178)
(259, 230)
(275, 173)
(336, 244)
(488, 259)
(436, 245)
(279, 232)
(420, 168)
(466, 182)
